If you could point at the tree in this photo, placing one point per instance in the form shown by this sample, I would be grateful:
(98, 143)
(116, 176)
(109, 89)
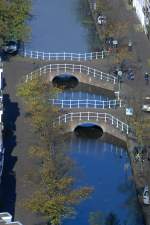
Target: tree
(13, 16)
(55, 194)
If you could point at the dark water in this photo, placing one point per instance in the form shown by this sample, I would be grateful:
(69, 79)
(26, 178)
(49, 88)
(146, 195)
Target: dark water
(56, 27)
(105, 167)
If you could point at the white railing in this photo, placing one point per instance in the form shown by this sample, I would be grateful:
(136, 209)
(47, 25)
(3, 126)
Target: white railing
(86, 103)
(72, 68)
(65, 55)
(94, 116)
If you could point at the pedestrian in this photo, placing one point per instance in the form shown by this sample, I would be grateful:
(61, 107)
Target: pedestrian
(129, 45)
(146, 78)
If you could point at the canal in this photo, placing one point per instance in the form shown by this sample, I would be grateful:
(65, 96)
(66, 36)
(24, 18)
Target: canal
(57, 26)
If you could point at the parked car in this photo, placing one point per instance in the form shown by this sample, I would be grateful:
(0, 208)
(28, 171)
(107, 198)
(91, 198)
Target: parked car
(146, 104)
(11, 47)
(146, 198)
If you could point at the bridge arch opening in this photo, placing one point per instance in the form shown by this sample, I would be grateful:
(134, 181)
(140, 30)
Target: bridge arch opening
(65, 81)
(88, 130)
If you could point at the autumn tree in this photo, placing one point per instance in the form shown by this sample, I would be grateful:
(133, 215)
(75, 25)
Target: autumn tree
(55, 194)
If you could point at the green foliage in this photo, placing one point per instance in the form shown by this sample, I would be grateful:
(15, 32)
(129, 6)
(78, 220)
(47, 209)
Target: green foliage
(13, 15)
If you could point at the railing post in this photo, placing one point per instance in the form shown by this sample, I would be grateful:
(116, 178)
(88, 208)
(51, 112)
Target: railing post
(73, 68)
(80, 116)
(57, 68)
(120, 103)
(31, 54)
(101, 75)
(102, 54)
(122, 127)
(117, 123)
(49, 56)
(64, 56)
(62, 104)
(97, 116)
(40, 71)
(109, 104)
(86, 103)
(112, 120)
(65, 67)
(80, 68)
(103, 105)
(65, 118)
(94, 72)
(85, 56)
(79, 57)
(95, 104)
(88, 70)
(24, 53)
(78, 103)
(37, 54)
(96, 55)
(105, 117)
(127, 129)
(70, 103)
(71, 117)
(88, 116)
(71, 56)
(27, 77)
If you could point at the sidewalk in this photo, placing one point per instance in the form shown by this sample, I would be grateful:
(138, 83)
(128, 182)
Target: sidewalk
(137, 89)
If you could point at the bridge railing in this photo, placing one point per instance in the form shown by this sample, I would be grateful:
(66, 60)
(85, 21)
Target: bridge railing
(86, 103)
(95, 116)
(71, 68)
(64, 55)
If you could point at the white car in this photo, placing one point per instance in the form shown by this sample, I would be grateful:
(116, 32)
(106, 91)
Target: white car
(146, 104)
(146, 198)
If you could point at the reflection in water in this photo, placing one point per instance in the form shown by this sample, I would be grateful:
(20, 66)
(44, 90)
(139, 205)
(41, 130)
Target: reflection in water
(81, 95)
(105, 167)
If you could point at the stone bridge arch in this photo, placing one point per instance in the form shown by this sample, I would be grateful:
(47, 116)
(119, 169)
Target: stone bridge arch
(83, 73)
(108, 123)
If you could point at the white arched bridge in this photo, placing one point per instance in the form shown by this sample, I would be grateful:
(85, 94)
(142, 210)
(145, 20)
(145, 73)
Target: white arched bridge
(84, 74)
(63, 56)
(106, 121)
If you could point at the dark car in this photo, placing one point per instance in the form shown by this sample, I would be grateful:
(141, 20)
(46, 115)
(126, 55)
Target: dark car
(11, 47)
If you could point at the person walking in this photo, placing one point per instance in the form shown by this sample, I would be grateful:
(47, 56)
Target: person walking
(146, 78)
(129, 45)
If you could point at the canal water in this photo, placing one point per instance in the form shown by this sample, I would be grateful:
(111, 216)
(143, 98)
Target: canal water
(60, 26)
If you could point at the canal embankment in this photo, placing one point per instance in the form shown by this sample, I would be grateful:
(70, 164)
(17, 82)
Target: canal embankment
(141, 47)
